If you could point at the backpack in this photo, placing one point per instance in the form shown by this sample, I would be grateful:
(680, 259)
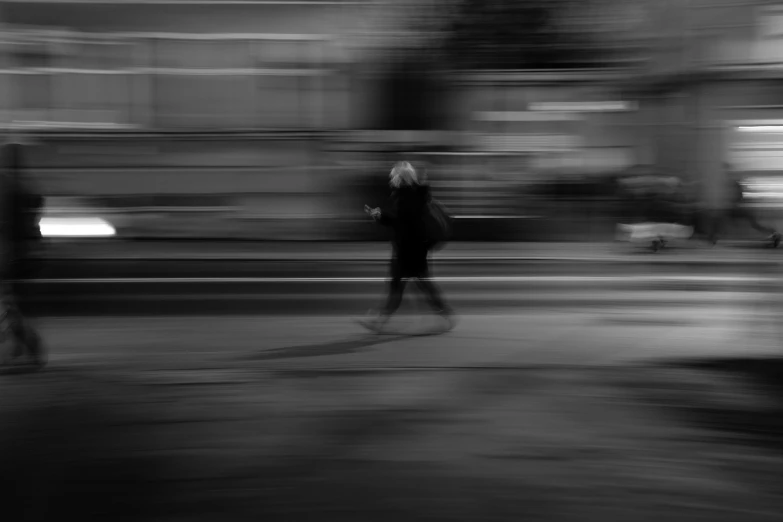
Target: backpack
(438, 225)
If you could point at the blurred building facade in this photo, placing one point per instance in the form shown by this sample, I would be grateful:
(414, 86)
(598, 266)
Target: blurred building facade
(289, 92)
(181, 119)
(714, 74)
(175, 65)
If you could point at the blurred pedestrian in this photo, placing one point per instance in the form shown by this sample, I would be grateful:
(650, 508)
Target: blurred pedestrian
(21, 206)
(405, 214)
(734, 209)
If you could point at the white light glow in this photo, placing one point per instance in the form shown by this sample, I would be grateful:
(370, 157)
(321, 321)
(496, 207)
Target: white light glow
(76, 227)
(762, 128)
(764, 195)
(765, 184)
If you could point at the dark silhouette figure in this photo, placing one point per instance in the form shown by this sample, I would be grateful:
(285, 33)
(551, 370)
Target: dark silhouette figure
(405, 214)
(736, 211)
(21, 206)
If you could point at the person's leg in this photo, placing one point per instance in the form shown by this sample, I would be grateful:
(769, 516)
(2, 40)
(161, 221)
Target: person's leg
(694, 220)
(23, 323)
(26, 269)
(393, 301)
(14, 304)
(717, 222)
(750, 216)
(433, 295)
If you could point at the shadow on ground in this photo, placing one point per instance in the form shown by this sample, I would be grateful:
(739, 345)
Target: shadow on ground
(344, 346)
(83, 446)
(66, 452)
(740, 399)
(340, 347)
(434, 446)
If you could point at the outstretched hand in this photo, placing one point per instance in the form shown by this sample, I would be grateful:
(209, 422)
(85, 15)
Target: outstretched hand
(375, 213)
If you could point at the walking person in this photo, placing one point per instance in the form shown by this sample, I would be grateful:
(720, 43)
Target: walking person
(405, 215)
(21, 206)
(735, 210)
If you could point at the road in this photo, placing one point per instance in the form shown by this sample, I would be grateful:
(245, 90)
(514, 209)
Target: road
(540, 405)
(571, 337)
(272, 301)
(541, 415)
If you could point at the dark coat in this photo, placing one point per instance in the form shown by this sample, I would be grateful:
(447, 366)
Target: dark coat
(405, 214)
(21, 203)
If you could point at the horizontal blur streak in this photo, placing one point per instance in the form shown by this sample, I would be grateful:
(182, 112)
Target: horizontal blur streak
(614, 169)
(524, 116)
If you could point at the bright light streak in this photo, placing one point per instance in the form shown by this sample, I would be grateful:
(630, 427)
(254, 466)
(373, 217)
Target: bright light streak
(76, 227)
(765, 188)
(762, 128)
(765, 195)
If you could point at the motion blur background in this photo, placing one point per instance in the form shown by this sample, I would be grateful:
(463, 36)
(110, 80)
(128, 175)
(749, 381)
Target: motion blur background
(279, 120)
(204, 360)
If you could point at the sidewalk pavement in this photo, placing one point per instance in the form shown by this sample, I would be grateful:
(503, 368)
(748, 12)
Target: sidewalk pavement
(530, 417)
(691, 252)
(529, 338)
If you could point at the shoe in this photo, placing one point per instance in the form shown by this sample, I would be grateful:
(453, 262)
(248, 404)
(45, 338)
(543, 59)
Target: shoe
(451, 320)
(775, 238)
(374, 324)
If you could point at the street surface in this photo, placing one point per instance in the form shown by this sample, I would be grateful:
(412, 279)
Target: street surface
(662, 402)
(571, 337)
(187, 278)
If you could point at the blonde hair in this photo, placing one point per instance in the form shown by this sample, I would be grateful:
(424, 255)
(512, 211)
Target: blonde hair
(403, 173)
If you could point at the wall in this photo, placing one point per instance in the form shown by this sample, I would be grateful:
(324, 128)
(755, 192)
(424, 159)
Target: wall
(184, 18)
(597, 141)
(283, 92)
(229, 187)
